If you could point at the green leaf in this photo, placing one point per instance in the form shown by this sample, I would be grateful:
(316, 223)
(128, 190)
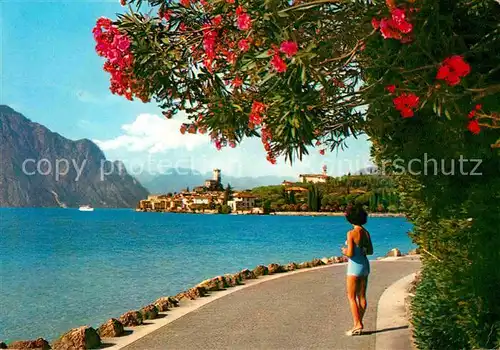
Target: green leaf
(238, 107)
(447, 114)
(263, 55)
(267, 77)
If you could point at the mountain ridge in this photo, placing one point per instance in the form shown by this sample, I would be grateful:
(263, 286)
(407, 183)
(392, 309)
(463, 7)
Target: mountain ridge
(175, 181)
(42, 168)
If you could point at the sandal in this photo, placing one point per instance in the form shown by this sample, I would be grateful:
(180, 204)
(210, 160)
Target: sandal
(354, 332)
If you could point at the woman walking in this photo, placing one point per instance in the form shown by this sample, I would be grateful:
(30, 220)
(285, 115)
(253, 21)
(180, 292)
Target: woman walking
(358, 246)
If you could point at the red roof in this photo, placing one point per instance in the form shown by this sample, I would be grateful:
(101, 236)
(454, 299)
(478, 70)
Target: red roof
(244, 195)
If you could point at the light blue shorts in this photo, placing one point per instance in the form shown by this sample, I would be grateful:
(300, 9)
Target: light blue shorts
(358, 266)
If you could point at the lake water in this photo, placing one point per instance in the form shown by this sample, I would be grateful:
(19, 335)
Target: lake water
(62, 268)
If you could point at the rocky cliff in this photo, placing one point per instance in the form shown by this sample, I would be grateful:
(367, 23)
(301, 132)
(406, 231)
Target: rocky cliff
(40, 168)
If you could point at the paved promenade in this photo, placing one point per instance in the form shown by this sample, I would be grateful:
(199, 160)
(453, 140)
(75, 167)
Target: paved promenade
(300, 311)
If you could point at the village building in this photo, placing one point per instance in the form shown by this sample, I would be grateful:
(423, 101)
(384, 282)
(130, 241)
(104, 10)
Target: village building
(242, 201)
(315, 178)
(214, 184)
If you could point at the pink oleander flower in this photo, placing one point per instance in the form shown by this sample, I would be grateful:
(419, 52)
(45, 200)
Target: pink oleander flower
(395, 27)
(237, 82)
(244, 21)
(406, 103)
(452, 69)
(244, 45)
(258, 107)
(391, 88)
(217, 20)
(278, 64)
(121, 42)
(104, 22)
(255, 119)
(289, 48)
(474, 127)
(271, 159)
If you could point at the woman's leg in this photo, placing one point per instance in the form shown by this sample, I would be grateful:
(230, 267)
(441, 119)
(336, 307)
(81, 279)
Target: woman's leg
(363, 281)
(352, 282)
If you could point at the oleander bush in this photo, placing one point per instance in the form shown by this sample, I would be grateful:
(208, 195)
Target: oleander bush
(420, 78)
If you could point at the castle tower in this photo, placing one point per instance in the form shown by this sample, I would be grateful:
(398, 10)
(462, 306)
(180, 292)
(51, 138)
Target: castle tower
(216, 175)
(324, 169)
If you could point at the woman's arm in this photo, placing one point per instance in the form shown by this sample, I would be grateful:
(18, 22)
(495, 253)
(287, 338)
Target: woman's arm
(349, 251)
(369, 250)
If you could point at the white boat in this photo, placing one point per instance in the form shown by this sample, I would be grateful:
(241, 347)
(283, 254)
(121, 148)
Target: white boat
(86, 208)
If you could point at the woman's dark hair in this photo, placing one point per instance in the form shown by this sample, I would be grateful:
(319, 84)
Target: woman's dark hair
(356, 214)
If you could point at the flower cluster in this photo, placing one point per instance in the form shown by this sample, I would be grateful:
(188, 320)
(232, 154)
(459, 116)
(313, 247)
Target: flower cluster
(209, 42)
(390, 88)
(243, 19)
(266, 137)
(396, 27)
(473, 124)
(278, 64)
(289, 48)
(257, 114)
(453, 69)
(115, 47)
(406, 103)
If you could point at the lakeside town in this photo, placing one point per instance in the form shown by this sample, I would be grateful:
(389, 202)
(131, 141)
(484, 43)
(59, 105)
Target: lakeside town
(211, 197)
(312, 194)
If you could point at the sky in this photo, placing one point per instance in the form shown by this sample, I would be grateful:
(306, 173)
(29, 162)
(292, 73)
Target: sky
(51, 74)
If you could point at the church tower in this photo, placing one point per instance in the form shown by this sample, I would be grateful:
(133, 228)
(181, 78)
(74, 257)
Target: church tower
(216, 176)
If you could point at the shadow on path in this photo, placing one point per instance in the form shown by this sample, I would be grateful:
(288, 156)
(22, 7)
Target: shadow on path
(384, 330)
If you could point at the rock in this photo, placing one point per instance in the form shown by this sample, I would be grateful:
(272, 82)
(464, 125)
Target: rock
(39, 343)
(316, 262)
(192, 294)
(131, 318)
(304, 265)
(326, 261)
(165, 303)
(80, 338)
(394, 252)
(274, 268)
(238, 278)
(210, 285)
(246, 274)
(260, 270)
(415, 251)
(112, 328)
(336, 259)
(231, 280)
(3, 345)
(149, 312)
(221, 280)
(214, 284)
(291, 266)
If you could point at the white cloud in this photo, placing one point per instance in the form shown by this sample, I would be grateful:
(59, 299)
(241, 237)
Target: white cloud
(153, 134)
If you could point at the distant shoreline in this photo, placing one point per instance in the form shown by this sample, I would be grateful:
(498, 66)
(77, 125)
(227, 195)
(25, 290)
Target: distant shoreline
(312, 213)
(283, 213)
